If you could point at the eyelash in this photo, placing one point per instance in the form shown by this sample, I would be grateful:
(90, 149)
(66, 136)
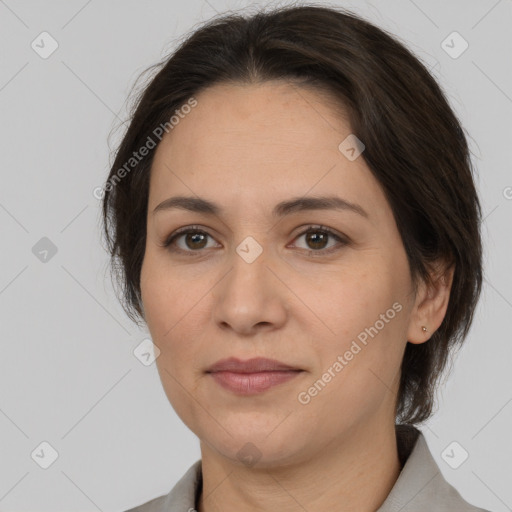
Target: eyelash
(311, 229)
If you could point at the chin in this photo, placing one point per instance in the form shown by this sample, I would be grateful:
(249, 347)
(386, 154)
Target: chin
(266, 447)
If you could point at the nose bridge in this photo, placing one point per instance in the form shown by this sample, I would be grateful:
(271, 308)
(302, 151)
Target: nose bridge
(249, 294)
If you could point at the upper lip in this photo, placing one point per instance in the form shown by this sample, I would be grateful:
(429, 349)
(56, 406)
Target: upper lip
(254, 365)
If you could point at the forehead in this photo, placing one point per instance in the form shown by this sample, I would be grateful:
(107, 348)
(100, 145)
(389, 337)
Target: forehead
(248, 143)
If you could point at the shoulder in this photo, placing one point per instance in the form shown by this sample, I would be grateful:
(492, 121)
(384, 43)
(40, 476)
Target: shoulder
(155, 505)
(182, 497)
(421, 487)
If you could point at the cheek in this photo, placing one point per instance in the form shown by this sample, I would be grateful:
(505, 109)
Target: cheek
(347, 300)
(175, 315)
(170, 320)
(163, 295)
(366, 314)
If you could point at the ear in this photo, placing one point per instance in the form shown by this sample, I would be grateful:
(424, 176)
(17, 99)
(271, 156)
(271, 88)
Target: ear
(430, 304)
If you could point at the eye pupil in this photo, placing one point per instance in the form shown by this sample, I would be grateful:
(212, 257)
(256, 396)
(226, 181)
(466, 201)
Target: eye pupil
(192, 237)
(318, 237)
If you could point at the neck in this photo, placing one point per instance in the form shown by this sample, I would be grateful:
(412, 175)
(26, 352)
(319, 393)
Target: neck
(355, 474)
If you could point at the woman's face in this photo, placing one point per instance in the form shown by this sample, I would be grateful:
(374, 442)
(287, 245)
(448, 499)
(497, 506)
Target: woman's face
(252, 283)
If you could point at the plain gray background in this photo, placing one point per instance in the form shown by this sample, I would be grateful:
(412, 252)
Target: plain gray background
(68, 374)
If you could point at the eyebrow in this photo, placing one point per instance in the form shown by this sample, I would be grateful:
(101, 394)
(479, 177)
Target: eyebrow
(200, 205)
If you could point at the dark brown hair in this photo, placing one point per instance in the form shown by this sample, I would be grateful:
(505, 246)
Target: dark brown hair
(414, 146)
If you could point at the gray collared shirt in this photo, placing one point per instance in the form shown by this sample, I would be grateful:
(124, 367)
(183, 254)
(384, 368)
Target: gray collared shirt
(420, 486)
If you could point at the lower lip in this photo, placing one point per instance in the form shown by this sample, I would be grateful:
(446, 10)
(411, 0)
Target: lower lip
(252, 383)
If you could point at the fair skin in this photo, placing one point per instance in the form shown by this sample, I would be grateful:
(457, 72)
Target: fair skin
(247, 148)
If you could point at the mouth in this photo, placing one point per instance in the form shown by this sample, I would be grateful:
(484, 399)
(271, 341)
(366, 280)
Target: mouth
(252, 376)
(252, 383)
(254, 365)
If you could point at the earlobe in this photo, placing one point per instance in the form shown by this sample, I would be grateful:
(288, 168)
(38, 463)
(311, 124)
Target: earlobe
(418, 334)
(430, 309)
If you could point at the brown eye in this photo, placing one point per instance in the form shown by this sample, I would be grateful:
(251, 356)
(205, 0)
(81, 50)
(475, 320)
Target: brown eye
(187, 240)
(195, 240)
(317, 239)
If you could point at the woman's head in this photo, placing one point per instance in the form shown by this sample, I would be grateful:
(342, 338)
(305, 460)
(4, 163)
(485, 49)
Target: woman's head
(296, 104)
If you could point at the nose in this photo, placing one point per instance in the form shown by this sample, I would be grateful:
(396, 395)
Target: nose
(250, 298)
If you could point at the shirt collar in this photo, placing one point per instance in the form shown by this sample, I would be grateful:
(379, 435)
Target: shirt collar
(420, 486)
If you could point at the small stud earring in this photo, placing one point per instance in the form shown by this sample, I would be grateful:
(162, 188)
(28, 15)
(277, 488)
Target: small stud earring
(423, 328)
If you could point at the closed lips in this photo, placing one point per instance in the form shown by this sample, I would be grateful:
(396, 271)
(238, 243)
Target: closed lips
(255, 365)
